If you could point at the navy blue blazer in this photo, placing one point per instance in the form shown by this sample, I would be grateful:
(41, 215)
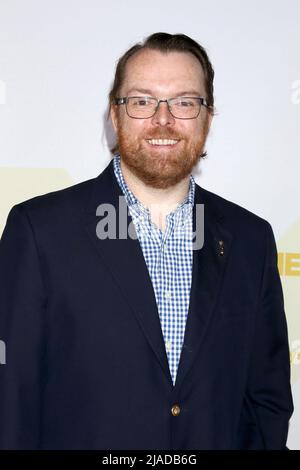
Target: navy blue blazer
(86, 366)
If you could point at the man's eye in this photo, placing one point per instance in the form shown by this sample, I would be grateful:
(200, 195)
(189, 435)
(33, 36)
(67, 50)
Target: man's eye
(184, 103)
(142, 102)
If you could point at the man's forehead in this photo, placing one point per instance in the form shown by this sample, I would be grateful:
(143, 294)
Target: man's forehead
(149, 69)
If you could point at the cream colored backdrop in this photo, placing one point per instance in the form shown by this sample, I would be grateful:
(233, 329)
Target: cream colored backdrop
(56, 65)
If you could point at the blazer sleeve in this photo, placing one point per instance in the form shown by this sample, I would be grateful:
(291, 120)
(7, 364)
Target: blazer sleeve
(22, 318)
(269, 387)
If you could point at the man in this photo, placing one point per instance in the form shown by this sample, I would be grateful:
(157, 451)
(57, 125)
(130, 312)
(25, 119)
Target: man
(170, 334)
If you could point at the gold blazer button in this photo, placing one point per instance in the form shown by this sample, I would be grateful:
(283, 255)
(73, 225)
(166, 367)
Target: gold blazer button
(175, 410)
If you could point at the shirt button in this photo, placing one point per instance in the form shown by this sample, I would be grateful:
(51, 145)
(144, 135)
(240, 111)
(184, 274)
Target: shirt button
(168, 294)
(168, 345)
(175, 410)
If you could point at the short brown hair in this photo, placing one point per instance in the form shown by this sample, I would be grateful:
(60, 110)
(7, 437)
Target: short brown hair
(165, 42)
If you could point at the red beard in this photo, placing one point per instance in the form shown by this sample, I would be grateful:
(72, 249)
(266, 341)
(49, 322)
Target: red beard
(161, 168)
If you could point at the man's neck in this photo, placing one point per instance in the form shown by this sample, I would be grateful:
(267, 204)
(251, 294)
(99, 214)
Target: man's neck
(160, 202)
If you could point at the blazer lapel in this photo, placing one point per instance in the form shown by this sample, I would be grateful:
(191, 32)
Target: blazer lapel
(125, 262)
(208, 269)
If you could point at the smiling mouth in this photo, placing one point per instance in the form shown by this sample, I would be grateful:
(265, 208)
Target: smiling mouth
(166, 142)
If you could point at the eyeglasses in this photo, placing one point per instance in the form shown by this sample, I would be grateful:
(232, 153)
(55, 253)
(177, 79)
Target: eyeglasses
(144, 107)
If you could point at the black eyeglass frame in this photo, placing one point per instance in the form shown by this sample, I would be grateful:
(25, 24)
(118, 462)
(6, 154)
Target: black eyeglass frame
(124, 100)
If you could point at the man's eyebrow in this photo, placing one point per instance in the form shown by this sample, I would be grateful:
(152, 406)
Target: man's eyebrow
(149, 92)
(140, 90)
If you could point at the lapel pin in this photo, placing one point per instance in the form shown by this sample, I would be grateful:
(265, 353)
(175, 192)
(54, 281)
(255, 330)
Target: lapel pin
(221, 248)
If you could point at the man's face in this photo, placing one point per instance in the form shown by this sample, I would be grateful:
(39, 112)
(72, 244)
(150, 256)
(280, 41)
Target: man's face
(163, 76)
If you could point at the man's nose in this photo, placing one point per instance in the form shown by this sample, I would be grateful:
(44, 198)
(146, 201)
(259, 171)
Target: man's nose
(163, 116)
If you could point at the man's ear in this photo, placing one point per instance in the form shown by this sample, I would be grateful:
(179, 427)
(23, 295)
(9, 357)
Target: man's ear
(114, 117)
(209, 120)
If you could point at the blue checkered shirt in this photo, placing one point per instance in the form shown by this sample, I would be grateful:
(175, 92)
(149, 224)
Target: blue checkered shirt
(169, 258)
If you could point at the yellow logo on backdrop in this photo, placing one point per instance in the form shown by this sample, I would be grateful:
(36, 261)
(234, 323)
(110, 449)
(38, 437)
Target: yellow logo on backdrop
(289, 264)
(289, 268)
(19, 184)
